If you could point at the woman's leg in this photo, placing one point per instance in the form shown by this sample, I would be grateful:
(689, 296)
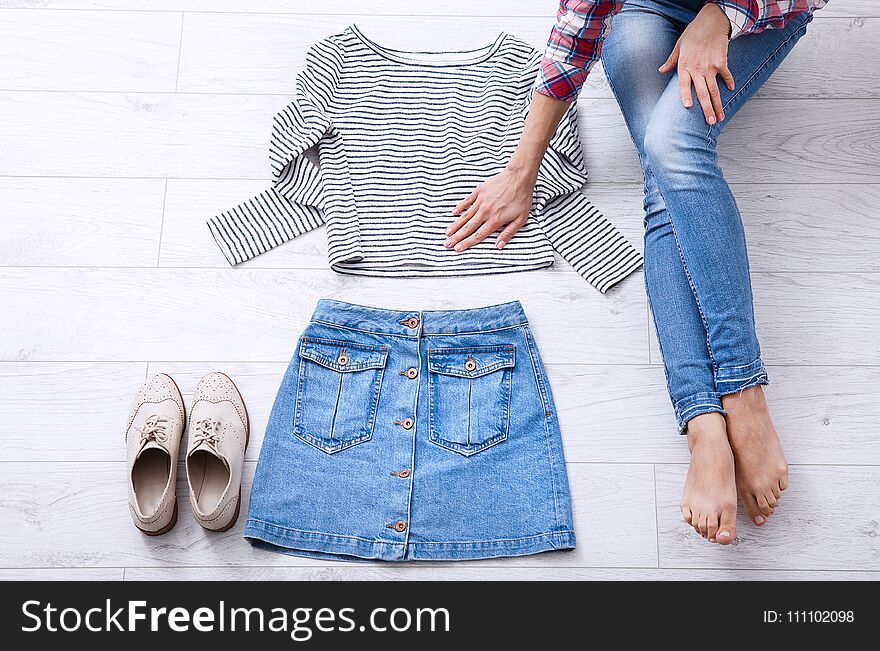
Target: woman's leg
(680, 149)
(641, 38)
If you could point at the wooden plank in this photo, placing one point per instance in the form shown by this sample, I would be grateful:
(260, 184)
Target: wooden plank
(818, 318)
(540, 8)
(44, 503)
(135, 134)
(70, 222)
(788, 227)
(182, 313)
(68, 411)
(187, 242)
(826, 520)
(623, 414)
(814, 318)
(225, 136)
(113, 222)
(253, 53)
(777, 141)
(79, 50)
(255, 315)
(477, 572)
(608, 414)
(62, 574)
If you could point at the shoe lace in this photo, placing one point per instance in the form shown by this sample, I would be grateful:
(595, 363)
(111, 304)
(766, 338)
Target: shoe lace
(154, 429)
(207, 431)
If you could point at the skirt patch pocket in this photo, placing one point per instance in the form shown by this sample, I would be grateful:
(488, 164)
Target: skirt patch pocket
(337, 393)
(469, 396)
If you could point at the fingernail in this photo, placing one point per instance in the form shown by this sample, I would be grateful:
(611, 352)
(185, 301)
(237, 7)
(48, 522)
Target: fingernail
(501, 244)
(447, 244)
(711, 540)
(458, 247)
(724, 534)
(759, 519)
(711, 119)
(688, 104)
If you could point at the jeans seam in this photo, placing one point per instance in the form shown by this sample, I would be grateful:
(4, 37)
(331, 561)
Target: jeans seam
(644, 165)
(734, 368)
(770, 57)
(544, 420)
(741, 379)
(691, 284)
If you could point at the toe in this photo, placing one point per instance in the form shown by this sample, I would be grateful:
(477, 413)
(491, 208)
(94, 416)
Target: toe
(712, 528)
(764, 506)
(687, 515)
(777, 492)
(702, 527)
(771, 500)
(727, 526)
(783, 482)
(750, 503)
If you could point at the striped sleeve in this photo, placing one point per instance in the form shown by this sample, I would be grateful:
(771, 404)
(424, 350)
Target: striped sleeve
(575, 227)
(588, 241)
(292, 205)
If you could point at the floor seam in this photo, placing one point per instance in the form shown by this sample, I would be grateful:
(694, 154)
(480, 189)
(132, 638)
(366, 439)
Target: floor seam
(179, 51)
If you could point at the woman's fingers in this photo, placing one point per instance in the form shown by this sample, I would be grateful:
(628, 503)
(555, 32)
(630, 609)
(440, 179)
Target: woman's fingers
(484, 231)
(672, 59)
(715, 95)
(458, 223)
(464, 203)
(509, 231)
(704, 98)
(684, 87)
(455, 232)
(453, 241)
(727, 76)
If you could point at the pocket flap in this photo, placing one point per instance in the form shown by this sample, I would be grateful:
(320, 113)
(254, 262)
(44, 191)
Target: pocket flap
(343, 356)
(471, 362)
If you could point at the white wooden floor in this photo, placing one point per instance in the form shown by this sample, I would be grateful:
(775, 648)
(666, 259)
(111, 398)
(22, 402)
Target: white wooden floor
(125, 124)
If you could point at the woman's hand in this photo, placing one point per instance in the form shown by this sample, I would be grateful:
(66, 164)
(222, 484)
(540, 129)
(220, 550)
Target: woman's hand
(501, 202)
(701, 55)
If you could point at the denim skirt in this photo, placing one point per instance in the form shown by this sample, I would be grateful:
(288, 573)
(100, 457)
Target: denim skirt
(408, 435)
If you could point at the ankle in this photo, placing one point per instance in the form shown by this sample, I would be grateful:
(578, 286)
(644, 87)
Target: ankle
(707, 429)
(748, 400)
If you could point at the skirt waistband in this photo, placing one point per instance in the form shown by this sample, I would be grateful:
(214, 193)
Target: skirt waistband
(416, 323)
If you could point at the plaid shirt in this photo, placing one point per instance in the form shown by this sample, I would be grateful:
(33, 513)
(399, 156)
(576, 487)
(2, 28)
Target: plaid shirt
(576, 40)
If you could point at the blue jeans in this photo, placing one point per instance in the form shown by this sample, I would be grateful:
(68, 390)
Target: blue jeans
(696, 265)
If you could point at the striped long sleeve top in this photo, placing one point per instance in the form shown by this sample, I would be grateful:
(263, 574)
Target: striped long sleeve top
(401, 138)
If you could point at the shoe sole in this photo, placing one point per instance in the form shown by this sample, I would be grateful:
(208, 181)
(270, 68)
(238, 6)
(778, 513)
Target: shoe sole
(247, 439)
(168, 527)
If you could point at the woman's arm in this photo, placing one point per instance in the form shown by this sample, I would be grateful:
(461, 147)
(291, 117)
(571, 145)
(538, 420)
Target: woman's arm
(503, 202)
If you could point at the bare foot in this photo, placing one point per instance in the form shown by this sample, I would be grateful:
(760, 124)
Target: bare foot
(761, 471)
(709, 500)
